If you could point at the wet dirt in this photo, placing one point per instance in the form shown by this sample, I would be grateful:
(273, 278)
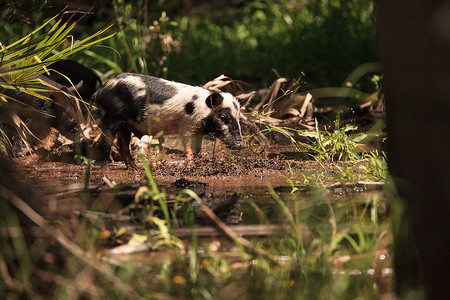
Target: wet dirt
(214, 175)
(232, 183)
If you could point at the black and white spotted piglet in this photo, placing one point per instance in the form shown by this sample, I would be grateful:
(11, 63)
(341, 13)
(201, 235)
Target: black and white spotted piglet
(139, 104)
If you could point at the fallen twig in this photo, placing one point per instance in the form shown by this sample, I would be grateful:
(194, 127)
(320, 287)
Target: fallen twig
(240, 230)
(228, 232)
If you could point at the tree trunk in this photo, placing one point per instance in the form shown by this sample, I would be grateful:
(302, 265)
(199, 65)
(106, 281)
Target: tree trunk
(414, 40)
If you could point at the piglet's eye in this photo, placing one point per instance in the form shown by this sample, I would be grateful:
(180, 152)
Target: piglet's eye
(223, 116)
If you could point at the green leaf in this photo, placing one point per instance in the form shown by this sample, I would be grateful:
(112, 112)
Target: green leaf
(137, 239)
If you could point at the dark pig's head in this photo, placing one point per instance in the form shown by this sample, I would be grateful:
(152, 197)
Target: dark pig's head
(223, 119)
(68, 114)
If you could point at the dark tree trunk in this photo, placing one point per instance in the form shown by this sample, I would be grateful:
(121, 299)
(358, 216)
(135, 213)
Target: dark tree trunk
(415, 51)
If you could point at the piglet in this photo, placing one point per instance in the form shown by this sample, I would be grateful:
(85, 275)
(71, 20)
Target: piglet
(140, 104)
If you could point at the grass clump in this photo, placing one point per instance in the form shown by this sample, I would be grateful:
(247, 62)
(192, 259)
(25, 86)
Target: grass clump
(335, 145)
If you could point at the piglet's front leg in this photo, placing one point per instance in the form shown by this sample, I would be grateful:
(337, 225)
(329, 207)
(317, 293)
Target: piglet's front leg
(187, 145)
(196, 143)
(123, 142)
(191, 145)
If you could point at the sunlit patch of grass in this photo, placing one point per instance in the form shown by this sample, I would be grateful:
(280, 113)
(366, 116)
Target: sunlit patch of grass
(335, 145)
(376, 165)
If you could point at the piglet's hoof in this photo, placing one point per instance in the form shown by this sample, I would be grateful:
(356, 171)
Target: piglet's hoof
(131, 165)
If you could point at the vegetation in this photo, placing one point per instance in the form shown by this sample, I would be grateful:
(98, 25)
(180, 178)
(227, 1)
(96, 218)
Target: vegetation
(24, 59)
(326, 246)
(247, 40)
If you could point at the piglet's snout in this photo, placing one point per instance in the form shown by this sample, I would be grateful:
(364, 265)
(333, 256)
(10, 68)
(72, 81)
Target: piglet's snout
(238, 143)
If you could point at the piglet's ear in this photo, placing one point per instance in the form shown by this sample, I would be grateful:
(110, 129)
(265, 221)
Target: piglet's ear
(76, 88)
(214, 100)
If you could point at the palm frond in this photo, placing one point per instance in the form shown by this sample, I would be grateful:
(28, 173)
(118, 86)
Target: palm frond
(23, 60)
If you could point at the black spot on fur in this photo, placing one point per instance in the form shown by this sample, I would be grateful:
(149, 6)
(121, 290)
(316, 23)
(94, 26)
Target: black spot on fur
(230, 121)
(118, 101)
(189, 108)
(195, 97)
(224, 127)
(209, 125)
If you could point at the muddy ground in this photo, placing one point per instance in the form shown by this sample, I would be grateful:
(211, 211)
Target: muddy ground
(215, 174)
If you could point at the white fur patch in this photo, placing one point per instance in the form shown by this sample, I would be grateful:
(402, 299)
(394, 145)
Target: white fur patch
(139, 86)
(135, 81)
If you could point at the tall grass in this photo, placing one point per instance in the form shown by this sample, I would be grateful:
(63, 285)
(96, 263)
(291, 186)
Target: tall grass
(142, 45)
(324, 39)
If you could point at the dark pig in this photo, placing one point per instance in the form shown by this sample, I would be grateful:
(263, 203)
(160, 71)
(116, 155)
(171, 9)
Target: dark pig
(77, 73)
(60, 110)
(139, 104)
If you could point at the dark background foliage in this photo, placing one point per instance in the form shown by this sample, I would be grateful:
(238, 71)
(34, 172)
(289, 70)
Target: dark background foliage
(194, 41)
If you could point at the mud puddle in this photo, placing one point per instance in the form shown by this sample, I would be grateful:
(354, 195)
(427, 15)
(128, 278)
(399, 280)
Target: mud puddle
(236, 185)
(215, 176)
